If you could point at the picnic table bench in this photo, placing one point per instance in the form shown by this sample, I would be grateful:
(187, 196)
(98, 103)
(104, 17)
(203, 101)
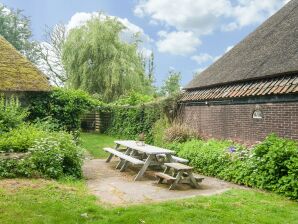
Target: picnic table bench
(124, 157)
(181, 173)
(138, 154)
(175, 159)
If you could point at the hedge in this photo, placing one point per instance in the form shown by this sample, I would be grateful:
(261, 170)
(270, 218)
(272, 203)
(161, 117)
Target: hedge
(270, 165)
(64, 106)
(130, 121)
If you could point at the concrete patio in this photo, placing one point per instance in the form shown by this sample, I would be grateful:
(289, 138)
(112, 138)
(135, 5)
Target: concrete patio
(118, 188)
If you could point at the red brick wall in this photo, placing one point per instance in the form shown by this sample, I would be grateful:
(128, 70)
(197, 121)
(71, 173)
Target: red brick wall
(235, 121)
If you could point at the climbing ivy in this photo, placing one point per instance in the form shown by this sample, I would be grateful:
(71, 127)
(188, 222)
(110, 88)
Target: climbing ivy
(130, 121)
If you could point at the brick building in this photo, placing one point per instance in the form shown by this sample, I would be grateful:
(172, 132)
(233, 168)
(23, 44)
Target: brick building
(252, 90)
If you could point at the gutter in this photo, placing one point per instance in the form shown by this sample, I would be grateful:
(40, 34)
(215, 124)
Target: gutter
(248, 100)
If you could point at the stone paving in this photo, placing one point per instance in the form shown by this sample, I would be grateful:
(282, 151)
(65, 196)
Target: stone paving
(118, 188)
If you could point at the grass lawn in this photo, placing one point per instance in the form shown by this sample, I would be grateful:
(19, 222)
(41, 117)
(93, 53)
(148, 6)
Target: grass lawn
(37, 201)
(94, 143)
(40, 201)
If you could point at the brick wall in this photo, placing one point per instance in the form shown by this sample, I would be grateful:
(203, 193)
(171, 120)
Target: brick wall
(235, 121)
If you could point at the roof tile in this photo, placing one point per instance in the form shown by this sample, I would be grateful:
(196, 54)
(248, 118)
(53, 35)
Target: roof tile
(276, 86)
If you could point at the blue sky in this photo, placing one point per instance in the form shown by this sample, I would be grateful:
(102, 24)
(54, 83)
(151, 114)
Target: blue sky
(185, 35)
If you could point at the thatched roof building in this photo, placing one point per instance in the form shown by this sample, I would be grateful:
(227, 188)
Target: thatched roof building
(252, 90)
(264, 63)
(17, 74)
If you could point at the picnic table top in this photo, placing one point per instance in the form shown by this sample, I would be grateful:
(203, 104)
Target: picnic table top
(149, 149)
(178, 166)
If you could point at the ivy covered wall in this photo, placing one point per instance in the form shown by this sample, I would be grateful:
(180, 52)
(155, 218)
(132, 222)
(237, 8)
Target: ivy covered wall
(130, 121)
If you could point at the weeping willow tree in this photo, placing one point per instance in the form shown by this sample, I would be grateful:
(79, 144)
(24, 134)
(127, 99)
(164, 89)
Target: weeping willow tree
(99, 62)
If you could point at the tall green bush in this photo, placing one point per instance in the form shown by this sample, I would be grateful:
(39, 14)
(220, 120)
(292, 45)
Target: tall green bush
(11, 113)
(158, 131)
(63, 106)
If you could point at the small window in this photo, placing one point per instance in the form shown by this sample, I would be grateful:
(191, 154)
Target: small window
(257, 114)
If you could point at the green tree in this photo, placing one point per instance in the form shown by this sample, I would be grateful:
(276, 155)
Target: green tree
(99, 62)
(172, 84)
(15, 28)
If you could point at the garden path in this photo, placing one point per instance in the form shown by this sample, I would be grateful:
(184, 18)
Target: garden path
(113, 187)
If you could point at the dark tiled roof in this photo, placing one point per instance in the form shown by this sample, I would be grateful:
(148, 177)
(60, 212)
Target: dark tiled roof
(272, 86)
(270, 51)
(17, 73)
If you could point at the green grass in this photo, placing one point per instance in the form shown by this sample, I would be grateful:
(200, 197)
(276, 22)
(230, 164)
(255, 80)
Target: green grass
(94, 143)
(39, 201)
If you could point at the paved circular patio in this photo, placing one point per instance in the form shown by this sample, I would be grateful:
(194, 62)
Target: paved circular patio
(118, 188)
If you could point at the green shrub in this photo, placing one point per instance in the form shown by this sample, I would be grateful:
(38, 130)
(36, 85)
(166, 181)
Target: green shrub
(275, 165)
(208, 157)
(65, 107)
(48, 124)
(16, 167)
(11, 114)
(57, 156)
(271, 165)
(158, 131)
(21, 138)
(54, 156)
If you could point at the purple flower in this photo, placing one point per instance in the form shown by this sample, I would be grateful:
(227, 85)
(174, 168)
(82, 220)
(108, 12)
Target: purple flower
(232, 149)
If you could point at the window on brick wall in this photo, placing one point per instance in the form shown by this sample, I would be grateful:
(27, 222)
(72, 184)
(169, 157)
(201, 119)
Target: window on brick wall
(257, 114)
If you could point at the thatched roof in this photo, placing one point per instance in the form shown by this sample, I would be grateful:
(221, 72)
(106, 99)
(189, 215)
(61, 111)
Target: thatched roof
(17, 73)
(271, 50)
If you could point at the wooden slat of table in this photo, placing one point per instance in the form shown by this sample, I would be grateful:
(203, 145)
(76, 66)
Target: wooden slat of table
(149, 149)
(123, 156)
(178, 166)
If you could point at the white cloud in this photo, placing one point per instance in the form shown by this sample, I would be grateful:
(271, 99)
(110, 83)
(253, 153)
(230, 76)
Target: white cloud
(229, 27)
(188, 20)
(177, 43)
(248, 12)
(199, 16)
(202, 58)
(80, 19)
(204, 16)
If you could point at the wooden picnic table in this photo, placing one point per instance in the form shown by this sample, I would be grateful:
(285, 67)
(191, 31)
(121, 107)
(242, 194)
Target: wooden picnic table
(149, 152)
(181, 174)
